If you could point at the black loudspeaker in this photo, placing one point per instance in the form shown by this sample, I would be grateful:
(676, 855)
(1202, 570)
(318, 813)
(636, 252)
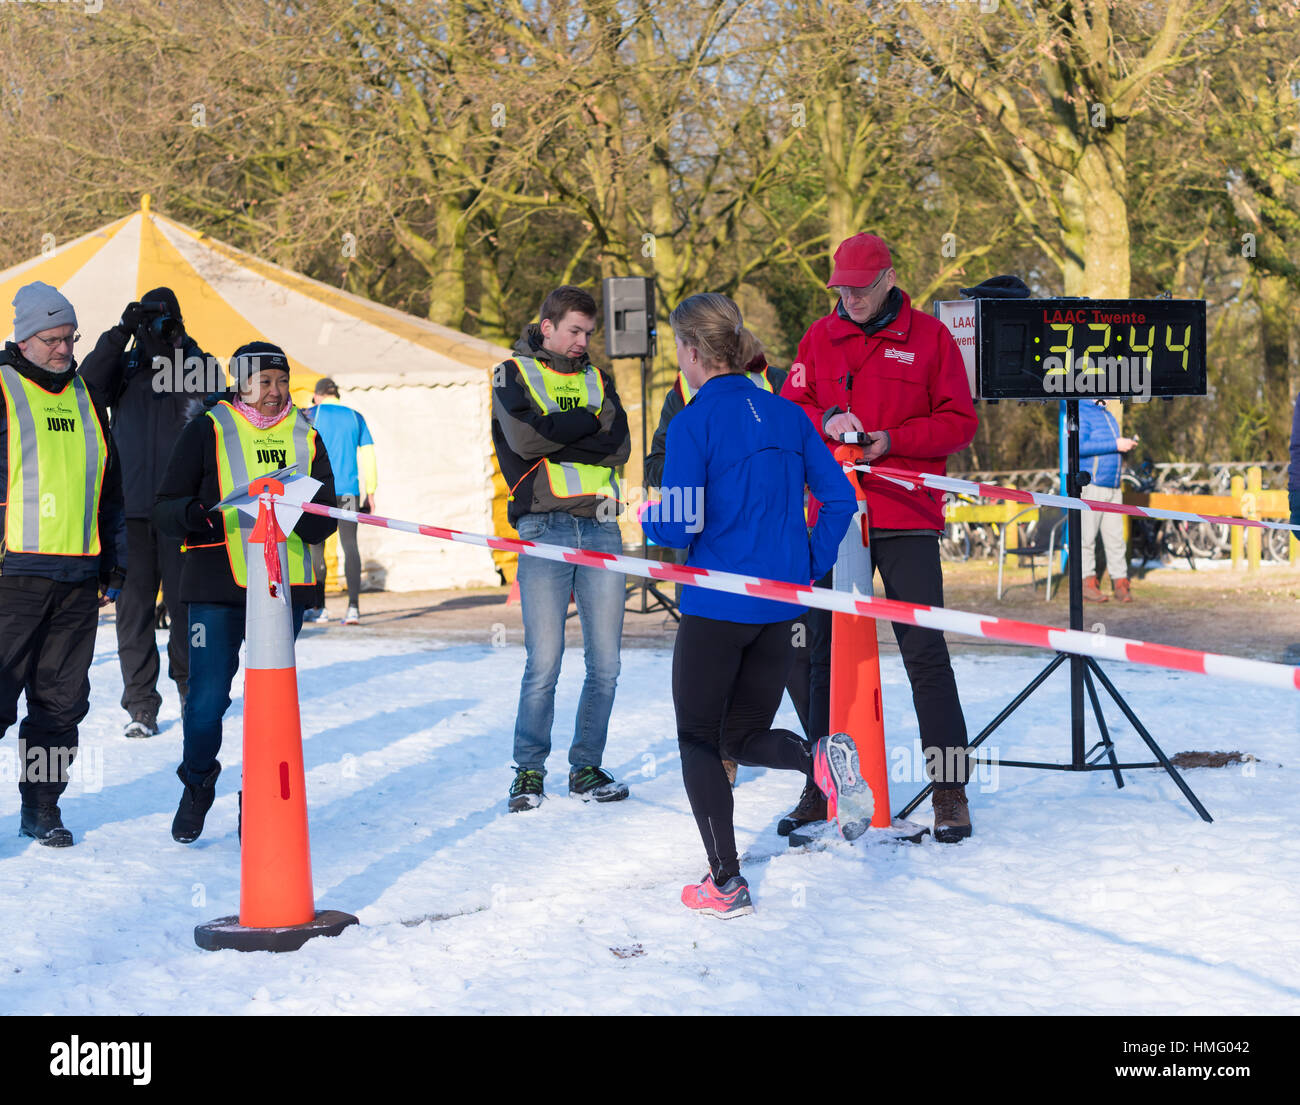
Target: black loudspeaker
(629, 316)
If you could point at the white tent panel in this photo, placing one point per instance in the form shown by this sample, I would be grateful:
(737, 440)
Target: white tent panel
(433, 469)
(107, 283)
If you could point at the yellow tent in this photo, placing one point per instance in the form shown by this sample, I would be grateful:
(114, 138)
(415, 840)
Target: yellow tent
(423, 388)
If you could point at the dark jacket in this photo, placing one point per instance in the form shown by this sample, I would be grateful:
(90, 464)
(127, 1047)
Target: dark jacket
(738, 459)
(147, 409)
(191, 487)
(522, 435)
(110, 566)
(674, 402)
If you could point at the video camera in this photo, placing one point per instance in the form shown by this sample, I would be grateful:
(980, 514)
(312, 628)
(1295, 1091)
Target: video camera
(159, 322)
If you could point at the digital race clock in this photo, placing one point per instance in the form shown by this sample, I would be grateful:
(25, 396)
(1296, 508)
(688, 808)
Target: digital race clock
(1080, 348)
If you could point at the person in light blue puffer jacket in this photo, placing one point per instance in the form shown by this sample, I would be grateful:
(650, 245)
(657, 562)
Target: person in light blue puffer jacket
(1100, 446)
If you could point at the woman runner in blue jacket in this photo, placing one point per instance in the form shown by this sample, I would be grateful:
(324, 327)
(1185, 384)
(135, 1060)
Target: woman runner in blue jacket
(737, 461)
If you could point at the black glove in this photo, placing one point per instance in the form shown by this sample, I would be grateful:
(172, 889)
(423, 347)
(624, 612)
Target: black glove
(132, 317)
(198, 519)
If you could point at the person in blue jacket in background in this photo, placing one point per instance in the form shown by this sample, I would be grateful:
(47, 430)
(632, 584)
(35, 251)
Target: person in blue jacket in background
(732, 490)
(352, 454)
(1100, 446)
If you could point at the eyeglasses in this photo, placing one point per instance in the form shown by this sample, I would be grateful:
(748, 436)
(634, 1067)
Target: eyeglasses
(861, 293)
(54, 343)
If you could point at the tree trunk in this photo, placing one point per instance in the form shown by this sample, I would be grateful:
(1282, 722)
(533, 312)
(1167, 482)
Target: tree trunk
(1276, 308)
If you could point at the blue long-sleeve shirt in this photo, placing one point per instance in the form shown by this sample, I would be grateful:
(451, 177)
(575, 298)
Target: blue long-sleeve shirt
(737, 461)
(349, 445)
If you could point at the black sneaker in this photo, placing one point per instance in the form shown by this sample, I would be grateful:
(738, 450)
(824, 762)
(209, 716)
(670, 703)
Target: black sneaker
(592, 784)
(196, 800)
(44, 824)
(526, 791)
(144, 723)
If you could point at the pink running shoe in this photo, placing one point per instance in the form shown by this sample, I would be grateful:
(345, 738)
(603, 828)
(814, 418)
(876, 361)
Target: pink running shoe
(848, 797)
(731, 899)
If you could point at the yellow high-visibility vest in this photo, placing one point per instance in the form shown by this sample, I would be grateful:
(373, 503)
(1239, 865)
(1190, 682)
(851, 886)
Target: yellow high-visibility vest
(554, 392)
(243, 453)
(57, 459)
(759, 379)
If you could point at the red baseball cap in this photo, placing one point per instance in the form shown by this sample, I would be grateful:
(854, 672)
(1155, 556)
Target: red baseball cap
(858, 261)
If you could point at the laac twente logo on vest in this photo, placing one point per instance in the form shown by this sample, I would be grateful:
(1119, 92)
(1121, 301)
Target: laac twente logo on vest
(60, 416)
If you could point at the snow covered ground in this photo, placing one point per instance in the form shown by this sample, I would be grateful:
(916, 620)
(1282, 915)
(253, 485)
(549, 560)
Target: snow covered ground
(1072, 897)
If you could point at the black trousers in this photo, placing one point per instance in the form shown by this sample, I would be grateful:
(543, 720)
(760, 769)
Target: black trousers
(351, 554)
(47, 640)
(809, 682)
(910, 570)
(155, 559)
(728, 678)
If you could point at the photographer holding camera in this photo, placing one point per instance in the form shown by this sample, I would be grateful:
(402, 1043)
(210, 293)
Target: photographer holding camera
(148, 408)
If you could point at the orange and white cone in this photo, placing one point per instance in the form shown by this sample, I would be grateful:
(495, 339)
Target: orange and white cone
(856, 704)
(276, 908)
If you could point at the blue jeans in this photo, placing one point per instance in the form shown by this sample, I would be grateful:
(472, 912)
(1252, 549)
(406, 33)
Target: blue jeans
(544, 587)
(215, 633)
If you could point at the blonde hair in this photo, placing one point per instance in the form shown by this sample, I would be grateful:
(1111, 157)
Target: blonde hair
(711, 323)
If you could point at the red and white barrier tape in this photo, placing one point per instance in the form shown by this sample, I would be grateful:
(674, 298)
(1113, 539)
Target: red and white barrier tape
(909, 480)
(931, 617)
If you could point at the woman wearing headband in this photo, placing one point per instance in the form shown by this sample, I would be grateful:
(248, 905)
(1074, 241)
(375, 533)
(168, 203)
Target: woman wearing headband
(232, 440)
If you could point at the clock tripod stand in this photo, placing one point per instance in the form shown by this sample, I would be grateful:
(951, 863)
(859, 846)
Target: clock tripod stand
(1085, 673)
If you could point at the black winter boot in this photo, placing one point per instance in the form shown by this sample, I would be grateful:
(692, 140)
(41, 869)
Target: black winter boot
(811, 808)
(44, 823)
(195, 803)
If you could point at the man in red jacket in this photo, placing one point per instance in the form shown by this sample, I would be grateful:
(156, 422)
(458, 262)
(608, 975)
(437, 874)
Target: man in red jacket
(878, 366)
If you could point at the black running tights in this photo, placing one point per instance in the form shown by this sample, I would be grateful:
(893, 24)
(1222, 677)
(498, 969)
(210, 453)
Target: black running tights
(728, 678)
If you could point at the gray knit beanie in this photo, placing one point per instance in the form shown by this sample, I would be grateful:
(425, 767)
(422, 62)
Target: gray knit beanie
(40, 307)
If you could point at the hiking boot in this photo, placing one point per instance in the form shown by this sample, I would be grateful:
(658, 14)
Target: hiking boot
(44, 824)
(526, 791)
(811, 808)
(951, 815)
(352, 617)
(731, 767)
(731, 899)
(1122, 590)
(195, 802)
(595, 784)
(1091, 592)
(848, 797)
(144, 723)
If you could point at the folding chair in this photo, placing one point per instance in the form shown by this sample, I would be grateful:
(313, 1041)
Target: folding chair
(1041, 540)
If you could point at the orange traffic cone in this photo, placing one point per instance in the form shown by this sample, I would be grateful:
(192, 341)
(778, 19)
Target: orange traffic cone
(856, 706)
(276, 909)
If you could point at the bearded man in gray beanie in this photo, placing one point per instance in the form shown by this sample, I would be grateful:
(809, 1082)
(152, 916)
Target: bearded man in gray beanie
(62, 548)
